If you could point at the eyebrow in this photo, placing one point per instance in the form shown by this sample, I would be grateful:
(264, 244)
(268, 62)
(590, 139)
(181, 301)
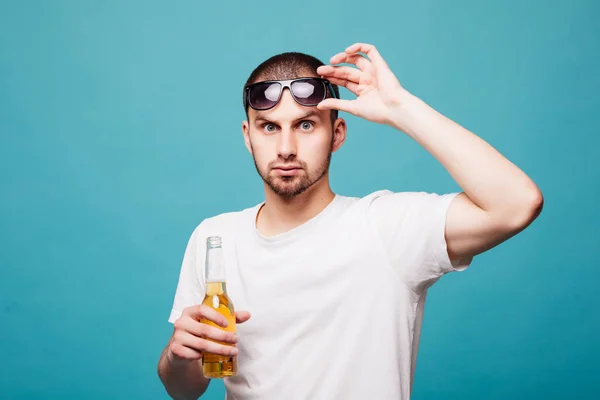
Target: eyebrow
(311, 113)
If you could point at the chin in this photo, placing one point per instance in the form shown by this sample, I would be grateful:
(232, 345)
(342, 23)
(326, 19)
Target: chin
(288, 187)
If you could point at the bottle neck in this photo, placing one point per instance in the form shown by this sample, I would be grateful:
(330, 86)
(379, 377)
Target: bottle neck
(216, 288)
(215, 263)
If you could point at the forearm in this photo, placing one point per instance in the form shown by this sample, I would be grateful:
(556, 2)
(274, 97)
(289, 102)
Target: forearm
(491, 181)
(182, 379)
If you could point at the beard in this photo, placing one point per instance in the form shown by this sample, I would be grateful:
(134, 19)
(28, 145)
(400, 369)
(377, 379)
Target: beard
(291, 186)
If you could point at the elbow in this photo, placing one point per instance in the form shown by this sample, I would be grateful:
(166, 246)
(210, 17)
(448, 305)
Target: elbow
(529, 207)
(535, 204)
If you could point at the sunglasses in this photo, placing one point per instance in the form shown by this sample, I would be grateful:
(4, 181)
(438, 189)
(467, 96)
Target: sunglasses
(306, 91)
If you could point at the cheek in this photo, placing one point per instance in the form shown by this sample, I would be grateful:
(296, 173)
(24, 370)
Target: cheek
(315, 146)
(263, 152)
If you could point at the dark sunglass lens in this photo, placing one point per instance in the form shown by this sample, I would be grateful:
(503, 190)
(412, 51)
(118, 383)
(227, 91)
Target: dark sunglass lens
(264, 95)
(309, 92)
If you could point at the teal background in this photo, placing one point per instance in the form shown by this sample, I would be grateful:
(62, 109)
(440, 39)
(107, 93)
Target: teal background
(112, 151)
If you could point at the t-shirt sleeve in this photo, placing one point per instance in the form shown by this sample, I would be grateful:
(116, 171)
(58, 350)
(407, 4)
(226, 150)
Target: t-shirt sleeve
(190, 287)
(411, 227)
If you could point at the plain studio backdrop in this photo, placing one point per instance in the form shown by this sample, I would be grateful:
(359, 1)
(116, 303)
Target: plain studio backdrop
(120, 131)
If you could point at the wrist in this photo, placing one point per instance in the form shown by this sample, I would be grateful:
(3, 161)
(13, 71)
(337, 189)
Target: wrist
(408, 113)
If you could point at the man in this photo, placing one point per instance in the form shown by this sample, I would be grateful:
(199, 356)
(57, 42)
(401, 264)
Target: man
(336, 285)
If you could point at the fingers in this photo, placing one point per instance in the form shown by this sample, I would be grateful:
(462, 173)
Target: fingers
(202, 345)
(192, 338)
(190, 347)
(337, 104)
(367, 68)
(346, 73)
(202, 311)
(181, 352)
(367, 49)
(347, 76)
(242, 316)
(199, 329)
(351, 86)
(357, 59)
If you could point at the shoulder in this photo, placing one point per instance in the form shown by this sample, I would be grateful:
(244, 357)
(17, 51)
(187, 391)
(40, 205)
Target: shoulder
(380, 203)
(223, 224)
(409, 198)
(386, 204)
(380, 197)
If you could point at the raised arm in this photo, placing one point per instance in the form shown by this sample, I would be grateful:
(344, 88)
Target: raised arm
(499, 199)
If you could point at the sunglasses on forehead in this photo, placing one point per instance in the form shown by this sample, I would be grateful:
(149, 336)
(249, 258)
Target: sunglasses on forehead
(306, 91)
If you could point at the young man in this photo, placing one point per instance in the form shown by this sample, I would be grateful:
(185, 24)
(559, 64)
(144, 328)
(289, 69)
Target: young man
(337, 285)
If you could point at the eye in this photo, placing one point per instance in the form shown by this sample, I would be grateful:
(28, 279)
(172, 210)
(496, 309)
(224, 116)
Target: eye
(270, 128)
(306, 125)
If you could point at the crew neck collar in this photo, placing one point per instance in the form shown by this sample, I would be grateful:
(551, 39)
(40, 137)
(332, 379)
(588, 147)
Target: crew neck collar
(294, 232)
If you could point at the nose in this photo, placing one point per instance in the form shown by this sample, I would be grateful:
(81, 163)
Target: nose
(286, 144)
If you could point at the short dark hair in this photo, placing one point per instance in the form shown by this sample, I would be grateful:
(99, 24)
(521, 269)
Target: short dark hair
(289, 65)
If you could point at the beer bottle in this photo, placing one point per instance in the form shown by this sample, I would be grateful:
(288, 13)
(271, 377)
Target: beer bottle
(215, 365)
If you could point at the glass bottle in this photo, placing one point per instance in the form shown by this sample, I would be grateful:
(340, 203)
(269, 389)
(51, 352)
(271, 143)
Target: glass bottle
(215, 365)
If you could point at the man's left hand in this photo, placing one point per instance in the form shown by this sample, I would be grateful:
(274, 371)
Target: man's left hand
(379, 93)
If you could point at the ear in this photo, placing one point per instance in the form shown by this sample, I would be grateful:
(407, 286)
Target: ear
(246, 133)
(339, 133)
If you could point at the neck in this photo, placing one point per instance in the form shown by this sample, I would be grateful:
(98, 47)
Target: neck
(279, 215)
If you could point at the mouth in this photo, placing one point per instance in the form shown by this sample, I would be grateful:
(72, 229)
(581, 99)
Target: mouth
(287, 171)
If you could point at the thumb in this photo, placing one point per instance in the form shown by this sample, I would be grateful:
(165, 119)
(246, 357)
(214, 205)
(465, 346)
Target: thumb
(338, 104)
(241, 316)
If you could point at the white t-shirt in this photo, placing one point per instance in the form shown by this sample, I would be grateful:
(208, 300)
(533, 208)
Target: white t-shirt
(336, 303)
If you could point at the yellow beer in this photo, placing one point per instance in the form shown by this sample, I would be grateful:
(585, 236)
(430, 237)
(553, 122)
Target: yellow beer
(215, 365)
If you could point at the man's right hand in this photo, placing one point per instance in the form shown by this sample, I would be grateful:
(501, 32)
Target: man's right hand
(192, 338)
